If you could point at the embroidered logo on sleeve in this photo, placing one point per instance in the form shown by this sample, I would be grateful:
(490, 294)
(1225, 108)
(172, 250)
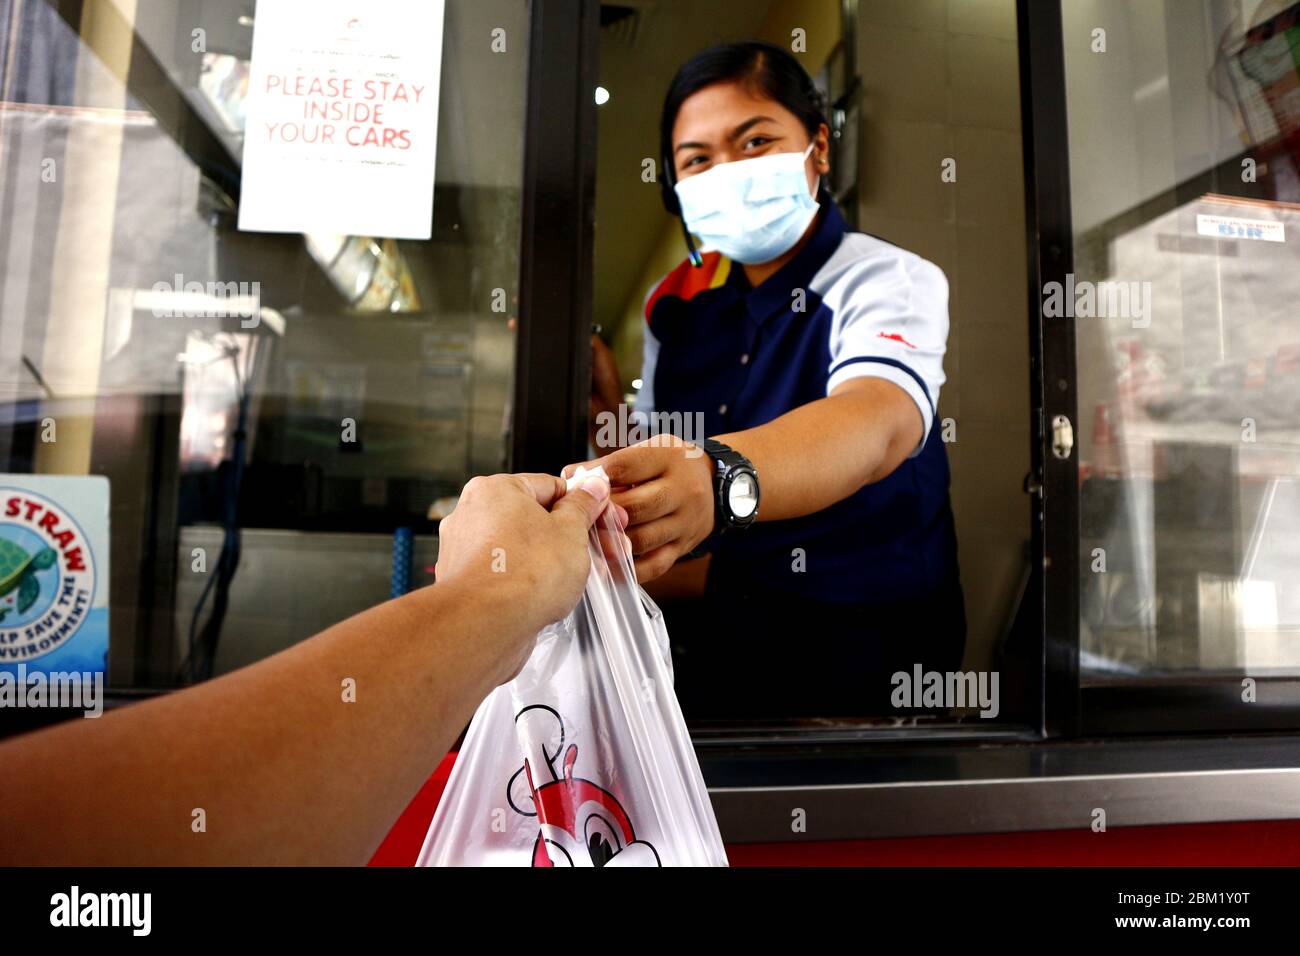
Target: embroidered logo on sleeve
(895, 337)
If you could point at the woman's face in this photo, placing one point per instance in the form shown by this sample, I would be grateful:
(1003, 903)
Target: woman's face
(727, 122)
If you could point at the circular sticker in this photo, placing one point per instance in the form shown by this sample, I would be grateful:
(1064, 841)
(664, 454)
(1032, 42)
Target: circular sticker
(47, 575)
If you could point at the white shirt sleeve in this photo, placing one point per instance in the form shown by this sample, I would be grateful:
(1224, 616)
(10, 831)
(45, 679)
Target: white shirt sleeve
(890, 311)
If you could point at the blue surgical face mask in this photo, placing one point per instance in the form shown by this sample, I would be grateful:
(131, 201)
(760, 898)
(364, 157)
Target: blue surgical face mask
(750, 210)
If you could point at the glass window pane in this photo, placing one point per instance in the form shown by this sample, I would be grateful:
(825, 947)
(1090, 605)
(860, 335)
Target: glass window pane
(290, 399)
(1184, 149)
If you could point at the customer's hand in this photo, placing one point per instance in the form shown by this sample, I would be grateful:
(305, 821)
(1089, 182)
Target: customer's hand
(666, 487)
(524, 538)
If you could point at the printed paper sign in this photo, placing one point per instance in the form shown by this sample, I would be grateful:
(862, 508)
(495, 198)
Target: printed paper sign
(342, 124)
(53, 574)
(1231, 227)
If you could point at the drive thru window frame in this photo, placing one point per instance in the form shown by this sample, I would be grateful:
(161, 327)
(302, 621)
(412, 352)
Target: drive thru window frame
(1139, 750)
(1045, 636)
(832, 767)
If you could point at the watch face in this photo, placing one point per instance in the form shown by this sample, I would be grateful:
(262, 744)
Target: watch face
(742, 495)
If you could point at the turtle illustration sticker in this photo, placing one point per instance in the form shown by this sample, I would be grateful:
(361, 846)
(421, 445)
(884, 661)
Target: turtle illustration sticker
(53, 564)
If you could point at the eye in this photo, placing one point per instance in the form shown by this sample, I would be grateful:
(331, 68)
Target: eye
(602, 840)
(756, 142)
(695, 161)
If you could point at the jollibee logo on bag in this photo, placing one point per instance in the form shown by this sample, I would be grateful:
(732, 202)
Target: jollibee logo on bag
(579, 822)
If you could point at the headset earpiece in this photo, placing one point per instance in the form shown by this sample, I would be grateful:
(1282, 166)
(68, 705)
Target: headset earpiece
(666, 187)
(669, 195)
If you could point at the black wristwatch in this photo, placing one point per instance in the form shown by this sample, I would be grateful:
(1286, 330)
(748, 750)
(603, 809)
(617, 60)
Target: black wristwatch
(735, 488)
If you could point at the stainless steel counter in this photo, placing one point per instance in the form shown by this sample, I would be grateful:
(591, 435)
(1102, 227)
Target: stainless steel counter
(909, 789)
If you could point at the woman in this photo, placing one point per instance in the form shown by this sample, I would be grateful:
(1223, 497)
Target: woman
(812, 358)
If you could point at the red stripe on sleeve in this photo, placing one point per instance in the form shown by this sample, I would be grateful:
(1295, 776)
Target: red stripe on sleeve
(685, 282)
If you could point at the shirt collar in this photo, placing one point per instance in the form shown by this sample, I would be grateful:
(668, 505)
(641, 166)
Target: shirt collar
(777, 291)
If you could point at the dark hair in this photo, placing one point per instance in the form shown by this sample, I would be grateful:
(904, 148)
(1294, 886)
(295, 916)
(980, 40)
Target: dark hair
(760, 67)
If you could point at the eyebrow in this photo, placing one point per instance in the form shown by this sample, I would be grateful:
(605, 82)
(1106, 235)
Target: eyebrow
(737, 132)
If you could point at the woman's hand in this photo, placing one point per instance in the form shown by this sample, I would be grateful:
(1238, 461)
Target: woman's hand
(666, 487)
(606, 390)
(502, 540)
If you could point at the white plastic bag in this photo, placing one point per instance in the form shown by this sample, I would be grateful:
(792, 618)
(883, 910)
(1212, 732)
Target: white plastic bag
(584, 758)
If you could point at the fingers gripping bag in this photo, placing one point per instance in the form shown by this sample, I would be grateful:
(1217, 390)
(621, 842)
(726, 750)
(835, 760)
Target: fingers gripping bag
(584, 758)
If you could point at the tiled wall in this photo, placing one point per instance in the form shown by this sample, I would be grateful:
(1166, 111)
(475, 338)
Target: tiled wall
(941, 80)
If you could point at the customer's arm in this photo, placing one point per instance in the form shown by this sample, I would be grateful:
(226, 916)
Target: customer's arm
(282, 766)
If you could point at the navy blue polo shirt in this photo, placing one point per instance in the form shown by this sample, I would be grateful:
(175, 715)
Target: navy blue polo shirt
(728, 356)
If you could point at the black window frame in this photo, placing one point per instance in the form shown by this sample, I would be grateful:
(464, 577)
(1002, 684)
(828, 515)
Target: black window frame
(1044, 707)
(557, 237)
(1049, 243)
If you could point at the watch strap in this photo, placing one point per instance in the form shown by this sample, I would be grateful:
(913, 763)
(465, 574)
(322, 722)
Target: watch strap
(725, 458)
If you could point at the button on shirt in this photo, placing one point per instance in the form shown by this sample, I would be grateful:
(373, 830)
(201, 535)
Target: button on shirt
(721, 356)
